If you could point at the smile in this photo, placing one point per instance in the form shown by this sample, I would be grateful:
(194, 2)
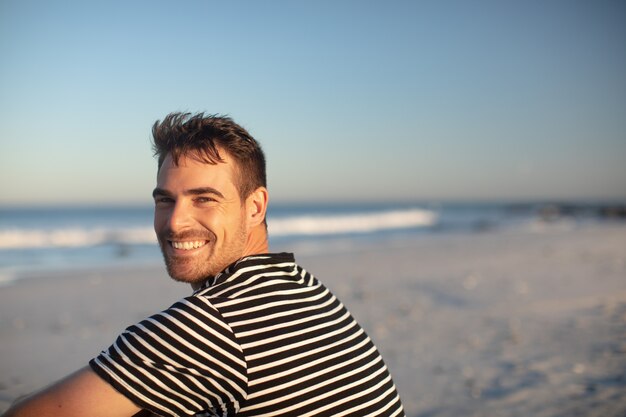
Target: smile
(190, 245)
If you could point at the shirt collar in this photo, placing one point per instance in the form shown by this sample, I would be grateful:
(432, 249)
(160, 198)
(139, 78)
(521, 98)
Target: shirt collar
(268, 259)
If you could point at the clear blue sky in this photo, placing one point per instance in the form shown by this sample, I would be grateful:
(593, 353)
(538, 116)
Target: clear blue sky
(352, 100)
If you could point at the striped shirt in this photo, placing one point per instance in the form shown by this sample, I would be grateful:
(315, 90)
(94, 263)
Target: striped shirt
(263, 338)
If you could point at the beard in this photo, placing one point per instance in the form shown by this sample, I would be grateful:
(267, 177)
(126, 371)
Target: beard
(213, 259)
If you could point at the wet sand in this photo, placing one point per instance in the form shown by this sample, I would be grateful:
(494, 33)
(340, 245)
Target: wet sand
(485, 324)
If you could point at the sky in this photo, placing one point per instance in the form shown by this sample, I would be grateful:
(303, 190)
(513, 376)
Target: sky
(351, 100)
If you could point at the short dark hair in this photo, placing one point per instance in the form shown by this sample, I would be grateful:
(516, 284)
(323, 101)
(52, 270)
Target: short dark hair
(203, 137)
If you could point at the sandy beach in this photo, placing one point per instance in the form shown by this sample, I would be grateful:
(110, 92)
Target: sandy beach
(485, 324)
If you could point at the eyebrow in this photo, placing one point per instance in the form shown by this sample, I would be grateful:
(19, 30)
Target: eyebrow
(192, 191)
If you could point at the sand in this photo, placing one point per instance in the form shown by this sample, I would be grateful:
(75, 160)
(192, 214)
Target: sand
(486, 324)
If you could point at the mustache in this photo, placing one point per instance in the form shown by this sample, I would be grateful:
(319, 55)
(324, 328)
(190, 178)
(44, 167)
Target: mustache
(186, 235)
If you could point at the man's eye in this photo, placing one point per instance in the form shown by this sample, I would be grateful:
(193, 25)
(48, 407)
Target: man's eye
(163, 200)
(203, 200)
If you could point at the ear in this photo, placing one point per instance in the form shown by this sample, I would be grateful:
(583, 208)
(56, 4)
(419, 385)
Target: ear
(256, 206)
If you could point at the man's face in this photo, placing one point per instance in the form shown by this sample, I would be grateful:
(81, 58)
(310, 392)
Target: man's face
(199, 218)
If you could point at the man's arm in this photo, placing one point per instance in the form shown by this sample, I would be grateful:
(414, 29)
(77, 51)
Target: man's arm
(81, 394)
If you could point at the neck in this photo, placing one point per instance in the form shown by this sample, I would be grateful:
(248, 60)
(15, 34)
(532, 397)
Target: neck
(257, 241)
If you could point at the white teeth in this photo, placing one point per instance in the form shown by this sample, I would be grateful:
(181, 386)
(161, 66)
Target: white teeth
(188, 245)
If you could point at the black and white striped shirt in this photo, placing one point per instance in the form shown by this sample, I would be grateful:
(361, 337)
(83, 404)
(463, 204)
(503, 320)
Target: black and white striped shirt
(263, 338)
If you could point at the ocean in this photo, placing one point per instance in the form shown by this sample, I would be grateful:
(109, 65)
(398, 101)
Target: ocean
(37, 238)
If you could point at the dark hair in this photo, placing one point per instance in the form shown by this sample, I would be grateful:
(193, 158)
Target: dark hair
(203, 137)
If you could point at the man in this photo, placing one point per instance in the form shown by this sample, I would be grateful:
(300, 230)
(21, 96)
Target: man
(260, 336)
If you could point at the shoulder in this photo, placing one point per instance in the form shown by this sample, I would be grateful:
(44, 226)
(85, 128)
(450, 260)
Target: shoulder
(189, 345)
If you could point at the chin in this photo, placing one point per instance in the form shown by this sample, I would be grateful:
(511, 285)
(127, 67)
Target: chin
(188, 279)
(180, 272)
(185, 275)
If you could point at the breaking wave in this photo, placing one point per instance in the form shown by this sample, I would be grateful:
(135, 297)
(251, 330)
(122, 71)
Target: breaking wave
(351, 223)
(73, 237)
(291, 225)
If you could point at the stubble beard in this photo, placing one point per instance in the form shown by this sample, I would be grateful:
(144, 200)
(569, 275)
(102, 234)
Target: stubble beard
(196, 270)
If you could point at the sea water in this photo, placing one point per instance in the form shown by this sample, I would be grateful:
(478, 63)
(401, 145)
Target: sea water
(34, 238)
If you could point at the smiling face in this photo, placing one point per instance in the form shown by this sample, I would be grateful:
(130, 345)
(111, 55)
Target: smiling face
(199, 218)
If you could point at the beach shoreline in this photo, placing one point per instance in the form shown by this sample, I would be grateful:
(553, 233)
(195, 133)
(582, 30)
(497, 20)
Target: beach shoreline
(499, 323)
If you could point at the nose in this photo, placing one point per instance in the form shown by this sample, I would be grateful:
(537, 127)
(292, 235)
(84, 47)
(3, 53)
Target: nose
(179, 217)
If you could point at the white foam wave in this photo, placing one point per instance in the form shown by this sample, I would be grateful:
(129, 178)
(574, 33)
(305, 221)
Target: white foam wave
(351, 223)
(310, 225)
(73, 237)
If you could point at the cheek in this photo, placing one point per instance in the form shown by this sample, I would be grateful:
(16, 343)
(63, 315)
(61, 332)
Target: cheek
(158, 220)
(224, 227)
(161, 219)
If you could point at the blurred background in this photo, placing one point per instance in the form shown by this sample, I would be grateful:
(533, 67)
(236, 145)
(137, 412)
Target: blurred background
(375, 116)
(470, 154)
(352, 100)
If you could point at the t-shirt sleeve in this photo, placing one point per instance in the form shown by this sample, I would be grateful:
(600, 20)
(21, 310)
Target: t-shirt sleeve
(179, 362)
